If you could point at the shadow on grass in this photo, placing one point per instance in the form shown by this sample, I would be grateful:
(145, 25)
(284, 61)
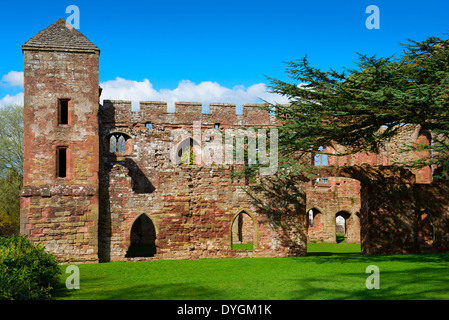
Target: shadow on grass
(333, 249)
(414, 284)
(402, 277)
(442, 258)
(96, 291)
(324, 274)
(350, 253)
(328, 254)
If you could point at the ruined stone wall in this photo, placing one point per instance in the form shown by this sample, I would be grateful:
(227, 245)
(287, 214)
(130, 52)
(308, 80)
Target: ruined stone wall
(147, 169)
(343, 195)
(391, 214)
(193, 207)
(339, 195)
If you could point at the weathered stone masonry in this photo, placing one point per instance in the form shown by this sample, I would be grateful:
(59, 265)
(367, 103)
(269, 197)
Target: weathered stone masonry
(192, 207)
(99, 180)
(61, 212)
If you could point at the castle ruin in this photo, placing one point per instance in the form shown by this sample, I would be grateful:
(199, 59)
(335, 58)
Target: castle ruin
(100, 183)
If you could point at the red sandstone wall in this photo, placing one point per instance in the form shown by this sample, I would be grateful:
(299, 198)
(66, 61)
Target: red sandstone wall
(339, 195)
(61, 213)
(192, 207)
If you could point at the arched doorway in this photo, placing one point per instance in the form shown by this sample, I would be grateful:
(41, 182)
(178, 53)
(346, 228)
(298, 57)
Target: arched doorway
(242, 232)
(315, 226)
(143, 238)
(341, 226)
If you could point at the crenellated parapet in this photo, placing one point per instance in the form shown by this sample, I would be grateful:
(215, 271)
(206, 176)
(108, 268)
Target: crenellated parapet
(120, 113)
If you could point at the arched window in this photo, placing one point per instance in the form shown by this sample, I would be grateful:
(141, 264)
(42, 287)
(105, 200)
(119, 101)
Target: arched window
(243, 230)
(119, 143)
(143, 238)
(188, 153)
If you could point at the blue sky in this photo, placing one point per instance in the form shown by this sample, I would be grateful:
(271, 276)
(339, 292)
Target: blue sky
(201, 50)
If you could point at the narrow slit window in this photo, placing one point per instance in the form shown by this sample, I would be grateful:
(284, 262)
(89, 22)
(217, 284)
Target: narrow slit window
(62, 162)
(217, 126)
(63, 111)
(321, 160)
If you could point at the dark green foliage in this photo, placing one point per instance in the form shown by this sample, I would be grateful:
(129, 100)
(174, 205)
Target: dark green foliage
(10, 186)
(26, 270)
(11, 139)
(363, 108)
(11, 167)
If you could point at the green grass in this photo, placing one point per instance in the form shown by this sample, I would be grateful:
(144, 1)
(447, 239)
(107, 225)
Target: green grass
(331, 271)
(340, 237)
(243, 246)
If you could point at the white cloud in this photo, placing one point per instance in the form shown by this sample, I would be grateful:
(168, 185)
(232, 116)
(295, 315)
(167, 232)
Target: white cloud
(10, 100)
(13, 79)
(204, 92)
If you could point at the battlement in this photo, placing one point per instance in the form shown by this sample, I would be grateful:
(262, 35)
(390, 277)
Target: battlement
(188, 107)
(153, 107)
(120, 112)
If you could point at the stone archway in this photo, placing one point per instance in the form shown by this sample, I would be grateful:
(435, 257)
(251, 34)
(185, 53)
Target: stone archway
(342, 226)
(243, 231)
(142, 238)
(315, 226)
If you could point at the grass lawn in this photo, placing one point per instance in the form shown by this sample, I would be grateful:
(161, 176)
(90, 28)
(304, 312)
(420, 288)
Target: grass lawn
(331, 271)
(243, 246)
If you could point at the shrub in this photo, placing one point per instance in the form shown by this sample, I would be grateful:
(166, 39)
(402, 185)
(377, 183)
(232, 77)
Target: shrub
(27, 271)
(9, 224)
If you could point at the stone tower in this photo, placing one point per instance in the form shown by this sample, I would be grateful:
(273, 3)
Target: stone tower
(59, 200)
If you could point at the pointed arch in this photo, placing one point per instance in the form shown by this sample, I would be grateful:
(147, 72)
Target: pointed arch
(118, 143)
(244, 230)
(314, 217)
(315, 225)
(188, 152)
(142, 237)
(342, 225)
